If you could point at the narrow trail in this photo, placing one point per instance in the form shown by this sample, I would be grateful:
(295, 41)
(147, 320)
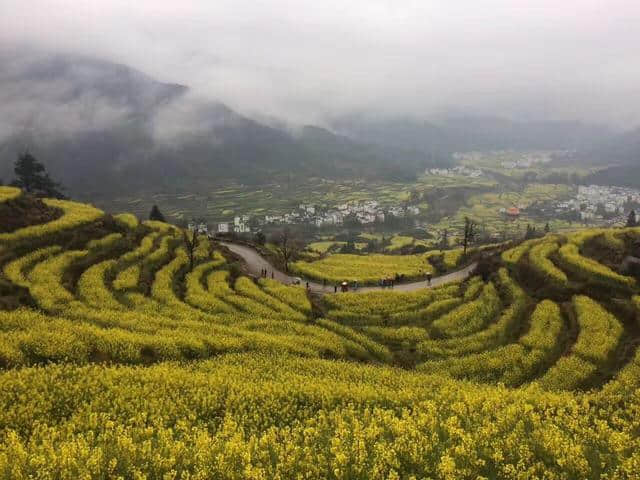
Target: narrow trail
(256, 263)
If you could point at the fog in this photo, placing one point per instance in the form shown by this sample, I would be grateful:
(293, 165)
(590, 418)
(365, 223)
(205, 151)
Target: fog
(308, 61)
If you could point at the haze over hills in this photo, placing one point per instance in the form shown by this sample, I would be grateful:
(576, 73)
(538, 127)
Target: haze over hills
(622, 153)
(101, 127)
(105, 128)
(454, 133)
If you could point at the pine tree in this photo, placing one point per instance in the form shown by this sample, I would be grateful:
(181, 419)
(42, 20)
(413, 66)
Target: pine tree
(632, 220)
(33, 178)
(155, 214)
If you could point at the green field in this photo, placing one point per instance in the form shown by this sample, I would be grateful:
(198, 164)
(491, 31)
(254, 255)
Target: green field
(485, 210)
(224, 203)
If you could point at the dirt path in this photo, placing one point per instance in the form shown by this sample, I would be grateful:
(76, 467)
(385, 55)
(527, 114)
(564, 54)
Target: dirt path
(255, 263)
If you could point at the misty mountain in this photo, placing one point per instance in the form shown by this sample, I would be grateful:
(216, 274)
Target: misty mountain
(101, 127)
(621, 153)
(450, 133)
(623, 149)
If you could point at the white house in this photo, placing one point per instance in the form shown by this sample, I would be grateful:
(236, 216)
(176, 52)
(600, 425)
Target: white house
(309, 209)
(239, 220)
(223, 227)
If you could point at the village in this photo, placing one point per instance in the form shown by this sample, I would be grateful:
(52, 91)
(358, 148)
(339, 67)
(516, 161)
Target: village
(591, 204)
(601, 203)
(364, 213)
(458, 171)
(508, 160)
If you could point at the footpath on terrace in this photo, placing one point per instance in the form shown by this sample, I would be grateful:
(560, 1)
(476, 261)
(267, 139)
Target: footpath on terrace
(256, 263)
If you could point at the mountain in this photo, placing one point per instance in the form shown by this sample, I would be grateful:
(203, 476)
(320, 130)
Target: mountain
(621, 155)
(623, 149)
(446, 134)
(102, 127)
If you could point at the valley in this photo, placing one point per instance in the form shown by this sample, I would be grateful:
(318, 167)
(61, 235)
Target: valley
(106, 317)
(279, 240)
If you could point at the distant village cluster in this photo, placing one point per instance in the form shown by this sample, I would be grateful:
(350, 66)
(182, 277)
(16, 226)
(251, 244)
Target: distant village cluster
(526, 160)
(516, 159)
(601, 204)
(592, 201)
(365, 212)
(458, 171)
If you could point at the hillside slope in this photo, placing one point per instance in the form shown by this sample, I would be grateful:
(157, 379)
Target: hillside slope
(123, 361)
(107, 128)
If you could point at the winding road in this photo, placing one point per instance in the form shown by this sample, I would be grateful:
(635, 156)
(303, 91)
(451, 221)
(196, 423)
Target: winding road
(256, 263)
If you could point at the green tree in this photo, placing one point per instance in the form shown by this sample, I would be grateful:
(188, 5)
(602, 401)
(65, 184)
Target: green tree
(32, 177)
(349, 247)
(156, 214)
(632, 220)
(260, 238)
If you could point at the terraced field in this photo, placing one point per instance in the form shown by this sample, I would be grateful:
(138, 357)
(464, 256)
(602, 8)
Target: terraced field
(124, 362)
(369, 269)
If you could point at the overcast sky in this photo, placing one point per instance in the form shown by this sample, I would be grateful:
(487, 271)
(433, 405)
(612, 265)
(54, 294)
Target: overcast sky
(304, 60)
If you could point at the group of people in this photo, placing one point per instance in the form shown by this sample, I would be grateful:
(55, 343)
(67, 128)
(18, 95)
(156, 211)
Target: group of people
(391, 281)
(264, 273)
(344, 286)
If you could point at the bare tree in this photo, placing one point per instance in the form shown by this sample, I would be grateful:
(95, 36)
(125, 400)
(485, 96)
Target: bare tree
(191, 245)
(444, 240)
(288, 245)
(469, 233)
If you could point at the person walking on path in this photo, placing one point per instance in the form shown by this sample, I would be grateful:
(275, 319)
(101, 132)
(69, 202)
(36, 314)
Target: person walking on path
(272, 275)
(429, 278)
(335, 288)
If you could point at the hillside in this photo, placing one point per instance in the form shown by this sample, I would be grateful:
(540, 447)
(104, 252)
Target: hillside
(105, 128)
(118, 361)
(446, 134)
(621, 157)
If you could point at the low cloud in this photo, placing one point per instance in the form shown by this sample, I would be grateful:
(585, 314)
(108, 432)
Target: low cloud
(307, 61)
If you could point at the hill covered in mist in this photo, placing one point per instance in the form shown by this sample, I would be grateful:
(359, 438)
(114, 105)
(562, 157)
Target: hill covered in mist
(106, 128)
(103, 127)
